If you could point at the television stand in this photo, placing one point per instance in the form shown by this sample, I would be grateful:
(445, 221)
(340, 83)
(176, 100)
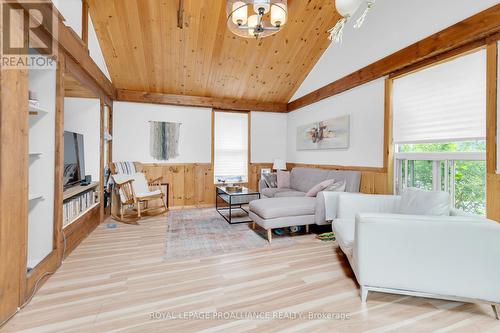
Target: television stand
(78, 201)
(77, 189)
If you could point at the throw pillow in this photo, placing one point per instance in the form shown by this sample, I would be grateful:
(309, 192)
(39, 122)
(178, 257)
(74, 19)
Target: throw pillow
(320, 187)
(283, 179)
(415, 201)
(336, 187)
(270, 179)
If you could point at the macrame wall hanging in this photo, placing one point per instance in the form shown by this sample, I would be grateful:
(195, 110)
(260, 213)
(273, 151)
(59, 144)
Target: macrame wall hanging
(348, 8)
(164, 140)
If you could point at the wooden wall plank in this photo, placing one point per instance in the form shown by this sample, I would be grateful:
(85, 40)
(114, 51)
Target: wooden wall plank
(101, 161)
(493, 183)
(388, 136)
(59, 155)
(13, 186)
(191, 184)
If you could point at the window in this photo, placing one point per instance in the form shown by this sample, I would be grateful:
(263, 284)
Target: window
(230, 147)
(440, 128)
(443, 103)
(446, 167)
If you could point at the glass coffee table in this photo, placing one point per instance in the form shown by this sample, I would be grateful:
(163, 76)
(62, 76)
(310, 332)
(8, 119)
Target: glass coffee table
(234, 199)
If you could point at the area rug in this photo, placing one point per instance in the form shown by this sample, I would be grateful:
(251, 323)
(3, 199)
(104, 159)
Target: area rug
(203, 232)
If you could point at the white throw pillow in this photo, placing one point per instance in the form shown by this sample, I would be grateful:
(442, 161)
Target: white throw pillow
(337, 187)
(415, 201)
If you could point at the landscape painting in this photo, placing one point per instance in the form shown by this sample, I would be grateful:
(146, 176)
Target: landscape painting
(327, 134)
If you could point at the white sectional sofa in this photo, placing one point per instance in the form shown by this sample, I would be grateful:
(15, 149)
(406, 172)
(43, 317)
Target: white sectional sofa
(455, 257)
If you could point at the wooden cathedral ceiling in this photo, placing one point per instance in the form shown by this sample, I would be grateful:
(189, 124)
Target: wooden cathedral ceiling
(146, 51)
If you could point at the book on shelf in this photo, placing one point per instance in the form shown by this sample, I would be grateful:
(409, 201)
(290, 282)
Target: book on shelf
(75, 206)
(34, 103)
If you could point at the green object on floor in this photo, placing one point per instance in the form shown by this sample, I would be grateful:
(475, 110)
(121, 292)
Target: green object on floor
(279, 231)
(327, 236)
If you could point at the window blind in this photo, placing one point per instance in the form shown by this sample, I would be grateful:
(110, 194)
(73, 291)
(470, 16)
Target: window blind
(446, 102)
(231, 147)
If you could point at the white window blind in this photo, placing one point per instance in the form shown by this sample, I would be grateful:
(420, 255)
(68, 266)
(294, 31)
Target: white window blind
(446, 102)
(231, 147)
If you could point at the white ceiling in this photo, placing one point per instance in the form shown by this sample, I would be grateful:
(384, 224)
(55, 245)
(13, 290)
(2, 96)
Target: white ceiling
(390, 27)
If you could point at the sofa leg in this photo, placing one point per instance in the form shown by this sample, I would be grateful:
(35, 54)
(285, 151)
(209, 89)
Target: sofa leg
(364, 294)
(269, 235)
(254, 225)
(307, 228)
(494, 307)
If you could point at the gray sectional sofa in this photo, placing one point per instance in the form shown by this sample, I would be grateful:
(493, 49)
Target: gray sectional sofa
(285, 207)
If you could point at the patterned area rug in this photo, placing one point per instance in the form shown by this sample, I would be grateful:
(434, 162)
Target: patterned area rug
(203, 232)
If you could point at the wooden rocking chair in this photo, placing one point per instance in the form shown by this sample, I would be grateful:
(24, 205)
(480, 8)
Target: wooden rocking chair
(134, 190)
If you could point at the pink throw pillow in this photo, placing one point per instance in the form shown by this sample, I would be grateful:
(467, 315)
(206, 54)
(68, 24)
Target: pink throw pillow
(283, 179)
(320, 187)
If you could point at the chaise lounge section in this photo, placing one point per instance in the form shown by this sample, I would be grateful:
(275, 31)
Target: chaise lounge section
(286, 207)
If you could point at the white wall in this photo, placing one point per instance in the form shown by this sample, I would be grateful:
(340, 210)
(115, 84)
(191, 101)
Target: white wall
(41, 167)
(365, 105)
(390, 27)
(95, 50)
(131, 131)
(268, 136)
(71, 10)
(82, 115)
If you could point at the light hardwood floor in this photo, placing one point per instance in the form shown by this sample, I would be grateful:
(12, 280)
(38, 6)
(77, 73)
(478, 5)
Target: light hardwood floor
(117, 277)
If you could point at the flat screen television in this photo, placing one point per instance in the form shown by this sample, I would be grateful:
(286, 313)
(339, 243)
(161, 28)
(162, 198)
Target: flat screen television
(74, 161)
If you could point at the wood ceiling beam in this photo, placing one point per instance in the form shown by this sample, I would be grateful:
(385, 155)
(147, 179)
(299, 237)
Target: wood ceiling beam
(470, 30)
(72, 45)
(208, 102)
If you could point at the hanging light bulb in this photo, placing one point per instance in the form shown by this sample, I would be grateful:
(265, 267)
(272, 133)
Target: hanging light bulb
(347, 8)
(261, 5)
(239, 16)
(278, 14)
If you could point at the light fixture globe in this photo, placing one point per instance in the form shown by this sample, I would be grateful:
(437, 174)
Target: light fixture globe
(256, 18)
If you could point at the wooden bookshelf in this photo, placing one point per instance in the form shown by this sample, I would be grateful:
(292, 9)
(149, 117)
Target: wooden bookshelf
(78, 201)
(78, 189)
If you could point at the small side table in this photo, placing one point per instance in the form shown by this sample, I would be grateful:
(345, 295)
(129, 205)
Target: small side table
(235, 200)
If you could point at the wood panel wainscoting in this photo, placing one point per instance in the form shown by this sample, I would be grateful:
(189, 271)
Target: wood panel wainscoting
(191, 184)
(373, 180)
(493, 197)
